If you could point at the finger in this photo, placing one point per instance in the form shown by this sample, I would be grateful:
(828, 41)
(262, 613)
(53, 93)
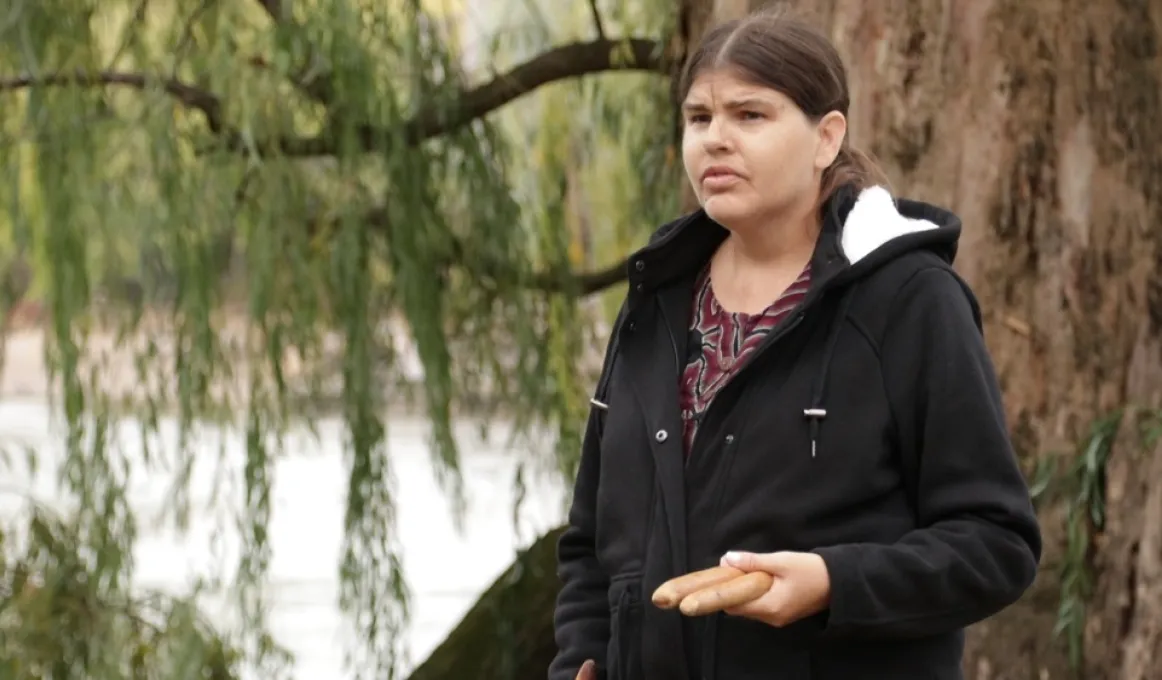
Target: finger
(771, 563)
(672, 592)
(588, 671)
(732, 593)
(760, 611)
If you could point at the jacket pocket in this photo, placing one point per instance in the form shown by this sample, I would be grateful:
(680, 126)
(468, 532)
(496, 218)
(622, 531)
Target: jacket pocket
(624, 655)
(737, 648)
(934, 658)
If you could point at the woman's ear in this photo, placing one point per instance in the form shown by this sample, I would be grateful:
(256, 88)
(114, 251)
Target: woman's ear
(832, 129)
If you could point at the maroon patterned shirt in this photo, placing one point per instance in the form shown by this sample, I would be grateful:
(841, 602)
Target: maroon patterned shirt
(726, 340)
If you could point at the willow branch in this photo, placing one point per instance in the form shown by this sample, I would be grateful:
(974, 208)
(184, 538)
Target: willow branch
(273, 9)
(313, 81)
(434, 119)
(563, 281)
(559, 281)
(583, 283)
(140, 13)
(188, 31)
(572, 60)
(597, 19)
(186, 94)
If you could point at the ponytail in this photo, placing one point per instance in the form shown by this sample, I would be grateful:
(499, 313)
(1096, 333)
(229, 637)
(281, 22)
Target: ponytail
(851, 166)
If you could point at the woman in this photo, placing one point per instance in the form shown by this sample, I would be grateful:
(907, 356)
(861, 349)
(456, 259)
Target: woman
(798, 384)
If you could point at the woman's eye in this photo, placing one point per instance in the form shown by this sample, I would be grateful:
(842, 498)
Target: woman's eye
(699, 118)
(752, 115)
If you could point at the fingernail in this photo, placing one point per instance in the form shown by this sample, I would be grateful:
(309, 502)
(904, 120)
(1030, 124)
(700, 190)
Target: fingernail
(732, 557)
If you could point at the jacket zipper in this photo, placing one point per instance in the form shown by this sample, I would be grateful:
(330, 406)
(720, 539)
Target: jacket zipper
(710, 635)
(786, 327)
(673, 340)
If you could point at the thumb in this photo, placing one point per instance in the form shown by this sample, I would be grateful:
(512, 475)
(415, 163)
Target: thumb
(588, 671)
(772, 563)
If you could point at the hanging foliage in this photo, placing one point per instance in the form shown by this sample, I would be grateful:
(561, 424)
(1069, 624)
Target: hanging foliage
(258, 208)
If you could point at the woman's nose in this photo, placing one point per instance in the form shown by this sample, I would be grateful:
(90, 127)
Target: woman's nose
(714, 137)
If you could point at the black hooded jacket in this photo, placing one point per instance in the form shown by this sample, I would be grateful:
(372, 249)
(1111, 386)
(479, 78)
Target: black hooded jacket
(904, 479)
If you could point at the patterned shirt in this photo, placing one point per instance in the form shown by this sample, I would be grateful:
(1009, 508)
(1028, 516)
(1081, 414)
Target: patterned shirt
(721, 341)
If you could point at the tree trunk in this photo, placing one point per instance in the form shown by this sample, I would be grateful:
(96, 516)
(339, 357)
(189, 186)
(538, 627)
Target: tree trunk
(508, 633)
(1038, 123)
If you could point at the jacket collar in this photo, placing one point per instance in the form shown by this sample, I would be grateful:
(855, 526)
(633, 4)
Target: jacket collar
(682, 248)
(859, 227)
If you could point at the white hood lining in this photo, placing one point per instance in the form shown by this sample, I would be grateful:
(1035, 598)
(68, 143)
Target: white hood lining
(873, 221)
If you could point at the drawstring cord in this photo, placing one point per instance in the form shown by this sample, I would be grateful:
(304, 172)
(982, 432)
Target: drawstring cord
(815, 413)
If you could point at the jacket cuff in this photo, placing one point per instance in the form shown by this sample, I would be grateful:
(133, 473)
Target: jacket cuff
(842, 572)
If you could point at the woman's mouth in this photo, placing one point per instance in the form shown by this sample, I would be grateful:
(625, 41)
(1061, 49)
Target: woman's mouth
(719, 177)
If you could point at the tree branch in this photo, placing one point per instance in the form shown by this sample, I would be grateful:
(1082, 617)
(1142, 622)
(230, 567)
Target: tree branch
(572, 60)
(597, 19)
(188, 95)
(565, 282)
(567, 61)
(583, 283)
(560, 63)
(579, 284)
(273, 9)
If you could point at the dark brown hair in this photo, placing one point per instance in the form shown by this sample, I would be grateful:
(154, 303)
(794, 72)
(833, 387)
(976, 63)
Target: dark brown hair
(778, 50)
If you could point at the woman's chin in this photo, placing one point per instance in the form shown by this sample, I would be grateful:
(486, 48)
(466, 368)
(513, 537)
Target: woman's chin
(727, 210)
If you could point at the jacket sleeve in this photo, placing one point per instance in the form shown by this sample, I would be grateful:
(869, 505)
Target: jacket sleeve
(581, 620)
(977, 545)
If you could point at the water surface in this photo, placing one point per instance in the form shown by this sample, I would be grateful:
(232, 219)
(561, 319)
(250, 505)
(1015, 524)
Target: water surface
(446, 569)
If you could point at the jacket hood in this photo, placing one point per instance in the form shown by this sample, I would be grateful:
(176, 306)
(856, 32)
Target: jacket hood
(878, 228)
(861, 231)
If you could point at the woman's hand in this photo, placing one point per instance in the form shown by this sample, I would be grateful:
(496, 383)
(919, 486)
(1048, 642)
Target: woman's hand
(801, 586)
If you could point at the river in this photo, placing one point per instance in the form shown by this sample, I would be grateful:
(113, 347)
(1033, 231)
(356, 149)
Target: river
(446, 569)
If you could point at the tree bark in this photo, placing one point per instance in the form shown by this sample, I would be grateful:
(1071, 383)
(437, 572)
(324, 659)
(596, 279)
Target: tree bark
(508, 633)
(1038, 123)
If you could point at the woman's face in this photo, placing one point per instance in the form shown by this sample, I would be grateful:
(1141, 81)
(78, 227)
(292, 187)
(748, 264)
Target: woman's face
(750, 152)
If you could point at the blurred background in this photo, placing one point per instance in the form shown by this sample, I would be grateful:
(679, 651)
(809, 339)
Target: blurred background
(302, 303)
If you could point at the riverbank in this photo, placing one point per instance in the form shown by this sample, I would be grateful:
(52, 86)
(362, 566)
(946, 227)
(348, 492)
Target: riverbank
(114, 363)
